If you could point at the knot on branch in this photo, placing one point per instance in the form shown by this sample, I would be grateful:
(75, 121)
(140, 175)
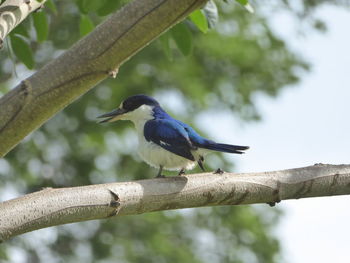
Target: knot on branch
(114, 203)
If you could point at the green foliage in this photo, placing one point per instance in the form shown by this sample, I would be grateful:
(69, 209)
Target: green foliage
(87, 6)
(199, 19)
(165, 41)
(85, 25)
(180, 34)
(51, 5)
(109, 7)
(22, 50)
(20, 30)
(41, 26)
(183, 38)
(227, 68)
(246, 5)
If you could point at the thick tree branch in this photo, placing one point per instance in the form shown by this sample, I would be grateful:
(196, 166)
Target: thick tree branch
(13, 12)
(91, 60)
(52, 207)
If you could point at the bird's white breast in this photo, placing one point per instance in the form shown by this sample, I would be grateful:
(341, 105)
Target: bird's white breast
(152, 153)
(156, 156)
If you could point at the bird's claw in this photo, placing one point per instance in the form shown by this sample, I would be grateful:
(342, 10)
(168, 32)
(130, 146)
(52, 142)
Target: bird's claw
(218, 171)
(182, 172)
(160, 176)
(272, 204)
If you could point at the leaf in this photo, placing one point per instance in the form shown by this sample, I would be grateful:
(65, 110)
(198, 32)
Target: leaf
(108, 7)
(85, 25)
(246, 5)
(22, 51)
(52, 6)
(183, 38)
(165, 41)
(86, 6)
(211, 13)
(199, 19)
(81, 6)
(93, 5)
(20, 30)
(242, 2)
(41, 26)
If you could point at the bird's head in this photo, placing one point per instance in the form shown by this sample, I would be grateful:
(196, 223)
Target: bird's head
(134, 108)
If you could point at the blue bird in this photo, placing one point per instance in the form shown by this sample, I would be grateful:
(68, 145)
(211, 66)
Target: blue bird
(164, 142)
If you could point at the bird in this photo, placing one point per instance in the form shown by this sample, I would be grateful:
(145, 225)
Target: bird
(165, 142)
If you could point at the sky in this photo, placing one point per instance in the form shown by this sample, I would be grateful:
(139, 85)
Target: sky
(307, 124)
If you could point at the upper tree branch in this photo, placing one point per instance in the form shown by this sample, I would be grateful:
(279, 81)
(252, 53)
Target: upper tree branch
(88, 62)
(66, 205)
(13, 12)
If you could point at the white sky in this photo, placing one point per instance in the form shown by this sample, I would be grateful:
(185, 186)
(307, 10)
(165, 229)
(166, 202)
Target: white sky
(305, 125)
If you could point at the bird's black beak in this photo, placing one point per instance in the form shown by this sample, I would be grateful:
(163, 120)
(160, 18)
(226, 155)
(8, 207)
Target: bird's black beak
(113, 115)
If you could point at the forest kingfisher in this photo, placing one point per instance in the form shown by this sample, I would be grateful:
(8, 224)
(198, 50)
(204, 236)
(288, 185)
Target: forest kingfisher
(165, 142)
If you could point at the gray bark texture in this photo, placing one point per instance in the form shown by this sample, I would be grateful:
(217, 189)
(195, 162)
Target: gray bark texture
(92, 59)
(51, 207)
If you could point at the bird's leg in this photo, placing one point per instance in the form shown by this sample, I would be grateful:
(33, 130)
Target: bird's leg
(159, 175)
(182, 171)
(200, 163)
(272, 204)
(218, 171)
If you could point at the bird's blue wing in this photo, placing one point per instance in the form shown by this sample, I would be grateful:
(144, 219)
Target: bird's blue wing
(194, 137)
(200, 142)
(170, 135)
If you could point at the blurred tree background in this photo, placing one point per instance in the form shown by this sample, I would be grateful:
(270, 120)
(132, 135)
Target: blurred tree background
(222, 69)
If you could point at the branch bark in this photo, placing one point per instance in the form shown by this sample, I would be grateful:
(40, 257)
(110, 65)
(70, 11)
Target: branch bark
(91, 60)
(51, 207)
(13, 12)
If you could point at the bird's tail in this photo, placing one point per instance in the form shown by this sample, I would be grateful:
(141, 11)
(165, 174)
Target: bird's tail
(227, 148)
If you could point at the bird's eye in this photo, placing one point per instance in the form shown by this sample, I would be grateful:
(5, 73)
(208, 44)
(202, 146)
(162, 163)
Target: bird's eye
(126, 105)
(129, 106)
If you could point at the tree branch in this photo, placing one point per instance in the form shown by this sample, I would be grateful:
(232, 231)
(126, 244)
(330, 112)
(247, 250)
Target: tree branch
(51, 207)
(91, 60)
(13, 12)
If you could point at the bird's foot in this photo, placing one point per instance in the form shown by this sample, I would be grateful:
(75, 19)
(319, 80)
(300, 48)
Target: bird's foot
(182, 172)
(218, 171)
(159, 175)
(272, 204)
(200, 163)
